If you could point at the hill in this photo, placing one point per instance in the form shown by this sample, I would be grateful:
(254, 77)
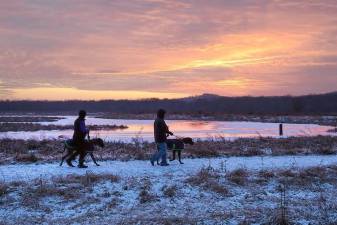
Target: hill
(206, 104)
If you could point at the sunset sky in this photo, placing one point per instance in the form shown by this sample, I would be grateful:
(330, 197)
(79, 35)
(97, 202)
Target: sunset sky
(85, 49)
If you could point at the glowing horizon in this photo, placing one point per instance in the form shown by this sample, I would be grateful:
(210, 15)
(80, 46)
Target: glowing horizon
(61, 50)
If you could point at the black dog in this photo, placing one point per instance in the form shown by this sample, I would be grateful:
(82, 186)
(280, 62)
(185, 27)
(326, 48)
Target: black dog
(90, 147)
(177, 145)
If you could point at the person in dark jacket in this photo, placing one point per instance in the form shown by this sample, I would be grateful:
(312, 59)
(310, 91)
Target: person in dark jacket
(161, 131)
(80, 132)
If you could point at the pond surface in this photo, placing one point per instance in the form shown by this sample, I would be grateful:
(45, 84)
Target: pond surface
(143, 129)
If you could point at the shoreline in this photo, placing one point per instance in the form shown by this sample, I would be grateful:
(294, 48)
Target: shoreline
(328, 120)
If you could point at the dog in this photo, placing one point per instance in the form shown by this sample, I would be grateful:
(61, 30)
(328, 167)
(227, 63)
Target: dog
(70, 149)
(176, 146)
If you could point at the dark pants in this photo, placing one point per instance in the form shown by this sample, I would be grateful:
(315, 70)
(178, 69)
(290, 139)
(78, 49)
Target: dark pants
(80, 150)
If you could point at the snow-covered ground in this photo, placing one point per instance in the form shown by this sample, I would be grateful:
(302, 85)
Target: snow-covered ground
(177, 194)
(28, 172)
(189, 128)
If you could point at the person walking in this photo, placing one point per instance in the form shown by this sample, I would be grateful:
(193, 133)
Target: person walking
(161, 131)
(80, 132)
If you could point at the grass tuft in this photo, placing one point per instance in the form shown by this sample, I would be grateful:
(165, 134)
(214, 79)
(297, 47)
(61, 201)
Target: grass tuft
(170, 191)
(3, 188)
(145, 194)
(27, 157)
(238, 176)
(208, 179)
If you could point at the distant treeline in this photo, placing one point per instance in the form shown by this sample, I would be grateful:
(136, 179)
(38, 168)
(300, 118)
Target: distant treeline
(205, 105)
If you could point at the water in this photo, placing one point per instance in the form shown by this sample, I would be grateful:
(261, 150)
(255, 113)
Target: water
(143, 129)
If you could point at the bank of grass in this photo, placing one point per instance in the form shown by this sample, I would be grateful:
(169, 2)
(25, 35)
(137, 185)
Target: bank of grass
(14, 126)
(28, 119)
(333, 130)
(51, 150)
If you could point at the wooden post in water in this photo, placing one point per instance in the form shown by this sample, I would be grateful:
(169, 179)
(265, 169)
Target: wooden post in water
(281, 129)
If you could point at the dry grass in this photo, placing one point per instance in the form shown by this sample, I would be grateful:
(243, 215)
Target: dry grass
(170, 191)
(68, 188)
(50, 150)
(264, 176)
(258, 146)
(44, 151)
(145, 194)
(113, 203)
(17, 184)
(6, 127)
(202, 176)
(238, 176)
(161, 220)
(32, 195)
(208, 179)
(29, 119)
(86, 180)
(26, 157)
(279, 220)
(4, 188)
(299, 178)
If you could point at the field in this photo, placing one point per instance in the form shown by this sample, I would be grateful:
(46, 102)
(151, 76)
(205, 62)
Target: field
(243, 181)
(217, 191)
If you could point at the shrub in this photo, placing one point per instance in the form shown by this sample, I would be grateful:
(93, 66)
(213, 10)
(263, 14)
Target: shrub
(113, 203)
(30, 157)
(145, 195)
(170, 191)
(3, 188)
(202, 176)
(238, 176)
(32, 195)
(208, 179)
(86, 180)
(216, 187)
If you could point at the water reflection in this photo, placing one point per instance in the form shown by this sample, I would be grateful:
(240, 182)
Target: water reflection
(195, 129)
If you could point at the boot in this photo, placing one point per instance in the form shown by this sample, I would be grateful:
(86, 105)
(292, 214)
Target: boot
(82, 166)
